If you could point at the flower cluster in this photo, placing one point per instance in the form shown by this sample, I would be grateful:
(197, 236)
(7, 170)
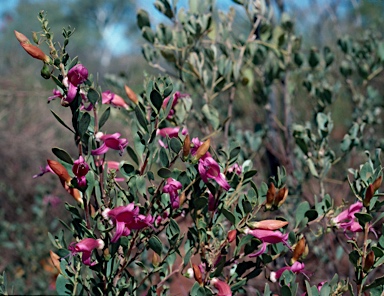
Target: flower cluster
(208, 167)
(125, 219)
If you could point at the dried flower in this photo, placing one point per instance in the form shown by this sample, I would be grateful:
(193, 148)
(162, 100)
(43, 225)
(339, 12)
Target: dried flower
(65, 179)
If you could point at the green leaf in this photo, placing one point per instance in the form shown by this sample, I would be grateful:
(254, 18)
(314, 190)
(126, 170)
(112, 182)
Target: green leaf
(212, 115)
(363, 218)
(62, 285)
(62, 155)
(104, 117)
(164, 173)
(285, 291)
(175, 145)
(85, 120)
(141, 118)
(300, 211)
(156, 99)
(61, 121)
(155, 244)
(127, 170)
(133, 154)
(93, 96)
(233, 155)
(143, 19)
(229, 216)
(164, 157)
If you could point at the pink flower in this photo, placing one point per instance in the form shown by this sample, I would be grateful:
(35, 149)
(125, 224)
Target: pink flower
(267, 236)
(209, 169)
(111, 141)
(126, 218)
(75, 76)
(319, 286)
(80, 168)
(171, 188)
(176, 96)
(223, 288)
(347, 220)
(171, 132)
(211, 202)
(43, 171)
(196, 144)
(235, 168)
(296, 268)
(349, 213)
(56, 94)
(86, 246)
(115, 100)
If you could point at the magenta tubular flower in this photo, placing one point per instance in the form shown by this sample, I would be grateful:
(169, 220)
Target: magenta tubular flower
(347, 220)
(171, 188)
(115, 100)
(56, 94)
(177, 95)
(223, 288)
(86, 246)
(267, 236)
(126, 218)
(80, 168)
(77, 75)
(209, 169)
(349, 213)
(296, 268)
(110, 142)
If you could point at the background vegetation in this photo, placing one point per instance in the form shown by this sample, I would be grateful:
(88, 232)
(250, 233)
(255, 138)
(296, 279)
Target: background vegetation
(108, 29)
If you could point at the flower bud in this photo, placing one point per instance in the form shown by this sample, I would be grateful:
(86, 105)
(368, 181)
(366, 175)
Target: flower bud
(65, 179)
(55, 260)
(200, 152)
(197, 274)
(270, 195)
(369, 193)
(21, 37)
(182, 198)
(300, 249)
(377, 183)
(268, 224)
(155, 259)
(281, 196)
(186, 146)
(131, 94)
(45, 72)
(231, 235)
(35, 52)
(35, 38)
(369, 261)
